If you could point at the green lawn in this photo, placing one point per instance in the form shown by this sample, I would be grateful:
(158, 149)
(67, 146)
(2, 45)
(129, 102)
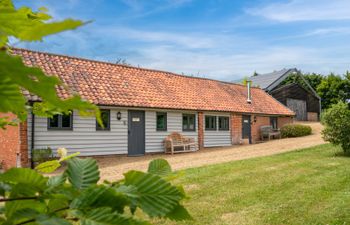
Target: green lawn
(310, 186)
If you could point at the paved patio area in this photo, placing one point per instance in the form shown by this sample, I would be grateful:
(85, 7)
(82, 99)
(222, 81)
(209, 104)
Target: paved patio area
(112, 168)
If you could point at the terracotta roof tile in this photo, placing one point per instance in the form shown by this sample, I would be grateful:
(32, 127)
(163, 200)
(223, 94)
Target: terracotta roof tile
(118, 85)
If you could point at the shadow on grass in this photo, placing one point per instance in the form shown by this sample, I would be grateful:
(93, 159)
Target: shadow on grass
(341, 154)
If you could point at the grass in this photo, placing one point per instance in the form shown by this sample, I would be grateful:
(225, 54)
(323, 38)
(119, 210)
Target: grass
(309, 186)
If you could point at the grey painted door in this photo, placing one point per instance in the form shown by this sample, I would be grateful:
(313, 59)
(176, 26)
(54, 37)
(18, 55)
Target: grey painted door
(299, 107)
(246, 128)
(136, 133)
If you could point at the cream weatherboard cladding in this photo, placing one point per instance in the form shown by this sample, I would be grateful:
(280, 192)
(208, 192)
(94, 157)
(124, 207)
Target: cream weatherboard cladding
(85, 139)
(154, 138)
(213, 138)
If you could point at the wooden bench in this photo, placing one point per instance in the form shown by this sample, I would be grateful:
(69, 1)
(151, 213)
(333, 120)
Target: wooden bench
(268, 131)
(176, 143)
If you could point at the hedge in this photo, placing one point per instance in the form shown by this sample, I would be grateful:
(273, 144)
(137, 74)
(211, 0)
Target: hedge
(295, 130)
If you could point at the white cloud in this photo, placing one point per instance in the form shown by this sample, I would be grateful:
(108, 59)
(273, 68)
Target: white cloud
(301, 10)
(146, 8)
(181, 40)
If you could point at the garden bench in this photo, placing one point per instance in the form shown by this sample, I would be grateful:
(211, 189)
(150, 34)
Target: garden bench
(176, 143)
(268, 131)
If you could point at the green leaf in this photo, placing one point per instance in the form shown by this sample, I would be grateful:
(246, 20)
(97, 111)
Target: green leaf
(179, 213)
(100, 196)
(56, 181)
(25, 177)
(156, 196)
(159, 167)
(105, 216)
(46, 220)
(48, 166)
(4, 188)
(69, 156)
(23, 214)
(82, 172)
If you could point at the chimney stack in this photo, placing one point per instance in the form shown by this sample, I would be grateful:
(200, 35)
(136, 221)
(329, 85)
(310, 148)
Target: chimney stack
(249, 99)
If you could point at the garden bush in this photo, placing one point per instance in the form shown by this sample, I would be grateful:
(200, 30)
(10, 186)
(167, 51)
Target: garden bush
(77, 197)
(336, 121)
(42, 155)
(295, 130)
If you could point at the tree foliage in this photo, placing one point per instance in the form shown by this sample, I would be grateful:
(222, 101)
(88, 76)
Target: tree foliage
(334, 88)
(336, 121)
(76, 197)
(15, 77)
(313, 79)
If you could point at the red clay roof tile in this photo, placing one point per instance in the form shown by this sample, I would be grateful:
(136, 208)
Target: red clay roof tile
(105, 83)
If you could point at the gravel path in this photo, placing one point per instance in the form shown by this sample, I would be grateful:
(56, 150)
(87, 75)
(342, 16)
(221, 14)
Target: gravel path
(113, 167)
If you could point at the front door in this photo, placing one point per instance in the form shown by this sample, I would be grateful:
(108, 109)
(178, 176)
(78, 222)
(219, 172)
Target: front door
(246, 128)
(136, 133)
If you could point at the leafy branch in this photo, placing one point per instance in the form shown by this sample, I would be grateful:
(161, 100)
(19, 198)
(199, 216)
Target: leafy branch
(27, 25)
(75, 195)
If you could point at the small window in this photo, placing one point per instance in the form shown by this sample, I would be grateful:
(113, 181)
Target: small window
(61, 122)
(106, 120)
(224, 123)
(161, 121)
(188, 122)
(273, 122)
(210, 122)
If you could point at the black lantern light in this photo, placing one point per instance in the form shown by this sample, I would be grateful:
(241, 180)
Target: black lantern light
(119, 115)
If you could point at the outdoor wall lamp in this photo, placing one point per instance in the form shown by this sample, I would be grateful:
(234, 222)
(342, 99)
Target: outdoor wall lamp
(255, 119)
(119, 115)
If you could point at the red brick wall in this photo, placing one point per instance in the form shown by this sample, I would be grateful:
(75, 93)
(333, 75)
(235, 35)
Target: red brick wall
(283, 121)
(9, 143)
(13, 144)
(200, 130)
(23, 133)
(236, 128)
(312, 116)
(260, 121)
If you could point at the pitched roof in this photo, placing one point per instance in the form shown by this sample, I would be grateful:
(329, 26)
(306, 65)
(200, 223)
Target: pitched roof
(268, 81)
(111, 84)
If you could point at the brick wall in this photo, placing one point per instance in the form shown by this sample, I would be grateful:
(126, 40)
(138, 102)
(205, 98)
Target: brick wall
(236, 128)
(23, 141)
(283, 121)
(312, 116)
(200, 130)
(260, 121)
(13, 144)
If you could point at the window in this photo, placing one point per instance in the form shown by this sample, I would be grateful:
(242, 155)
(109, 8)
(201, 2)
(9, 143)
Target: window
(161, 121)
(61, 122)
(273, 122)
(224, 123)
(210, 122)
(106, 120)
(188, 122)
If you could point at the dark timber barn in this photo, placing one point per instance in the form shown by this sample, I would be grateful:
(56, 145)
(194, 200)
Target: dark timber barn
(304, 101)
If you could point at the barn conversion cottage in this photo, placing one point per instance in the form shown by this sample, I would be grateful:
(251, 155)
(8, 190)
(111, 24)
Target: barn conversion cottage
(140, 107)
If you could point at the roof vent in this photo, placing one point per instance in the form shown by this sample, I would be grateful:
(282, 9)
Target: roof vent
(249, 99)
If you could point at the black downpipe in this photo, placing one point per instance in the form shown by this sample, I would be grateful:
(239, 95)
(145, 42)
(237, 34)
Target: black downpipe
(32, 142)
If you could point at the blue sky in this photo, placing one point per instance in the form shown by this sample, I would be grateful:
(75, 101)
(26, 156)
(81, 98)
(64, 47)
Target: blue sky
(220, 39)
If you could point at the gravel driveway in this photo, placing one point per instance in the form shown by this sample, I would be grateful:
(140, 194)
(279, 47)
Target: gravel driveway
(113, 167)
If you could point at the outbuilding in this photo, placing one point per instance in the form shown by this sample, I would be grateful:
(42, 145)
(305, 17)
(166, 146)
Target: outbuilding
(302, 99)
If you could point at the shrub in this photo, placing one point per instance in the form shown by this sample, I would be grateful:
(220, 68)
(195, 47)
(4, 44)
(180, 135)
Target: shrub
(336, 121)
(295, 130)
(76, 197)
(42, 155)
